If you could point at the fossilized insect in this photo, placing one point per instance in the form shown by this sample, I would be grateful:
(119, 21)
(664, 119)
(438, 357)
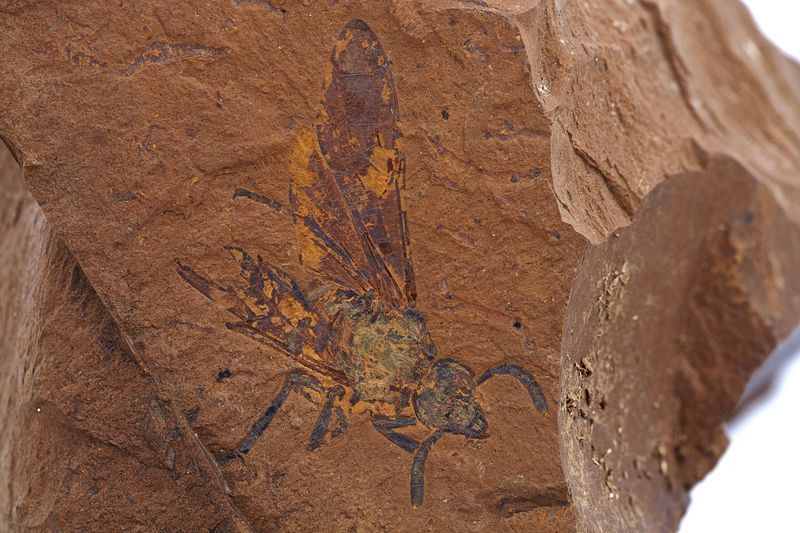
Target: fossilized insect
(361, 345)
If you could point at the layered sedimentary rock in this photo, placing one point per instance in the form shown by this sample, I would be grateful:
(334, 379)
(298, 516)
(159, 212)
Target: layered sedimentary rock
(412, 265)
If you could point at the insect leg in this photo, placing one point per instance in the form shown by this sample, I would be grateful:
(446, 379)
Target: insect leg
(296, 380)
(385, 427)
(321, 427)
(341, 423)
(528, 381)
(418, 469)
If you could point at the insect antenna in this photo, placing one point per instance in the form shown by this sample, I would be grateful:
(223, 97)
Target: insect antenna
(524, 377)
(274, 204)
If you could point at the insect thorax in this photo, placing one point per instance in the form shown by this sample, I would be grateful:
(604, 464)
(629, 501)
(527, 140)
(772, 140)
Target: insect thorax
(384, 354)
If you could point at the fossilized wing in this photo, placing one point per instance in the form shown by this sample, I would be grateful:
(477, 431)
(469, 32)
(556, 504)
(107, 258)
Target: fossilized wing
(348, 174)
(271, 309)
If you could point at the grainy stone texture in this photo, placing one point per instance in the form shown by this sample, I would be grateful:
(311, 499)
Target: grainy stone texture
(666, 322)
(90, 439)
(603, 193)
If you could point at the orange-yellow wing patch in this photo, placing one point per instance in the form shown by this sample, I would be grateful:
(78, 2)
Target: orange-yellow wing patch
(347, 176)
(271, 308)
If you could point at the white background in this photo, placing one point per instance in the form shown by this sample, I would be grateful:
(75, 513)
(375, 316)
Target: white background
(756, 485)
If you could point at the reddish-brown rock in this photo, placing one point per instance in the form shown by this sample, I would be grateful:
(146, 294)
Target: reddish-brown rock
(600, 199)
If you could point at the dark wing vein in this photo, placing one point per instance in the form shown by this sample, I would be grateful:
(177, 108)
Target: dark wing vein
(348, 174)
(271, 308)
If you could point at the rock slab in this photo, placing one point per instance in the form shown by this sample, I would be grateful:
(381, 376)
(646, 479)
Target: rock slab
(583, 215)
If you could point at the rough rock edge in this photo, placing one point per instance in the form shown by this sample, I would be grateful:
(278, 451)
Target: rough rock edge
(670, 367)
(564, 41)
(46, 265)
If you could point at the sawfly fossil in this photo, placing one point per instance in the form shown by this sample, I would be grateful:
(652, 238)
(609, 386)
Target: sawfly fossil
(359, 342)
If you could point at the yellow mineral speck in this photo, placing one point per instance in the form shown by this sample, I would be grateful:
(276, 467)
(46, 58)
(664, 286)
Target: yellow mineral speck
(341, 44)
(323, 116)
(304, 147)
(378, 176)
(386, 92)
(292, 309)
(311, 252)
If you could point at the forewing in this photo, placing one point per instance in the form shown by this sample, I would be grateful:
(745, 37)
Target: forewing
(328, 242)
(350, 176)
(271, 308)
